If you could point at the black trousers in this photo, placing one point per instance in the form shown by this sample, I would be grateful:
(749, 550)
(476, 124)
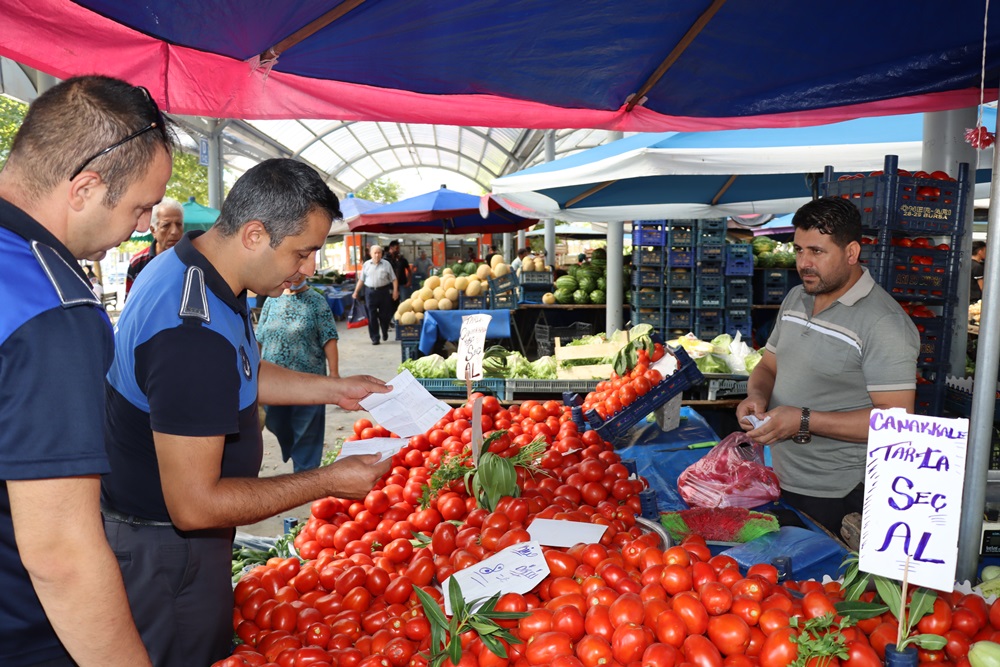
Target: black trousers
(378, 301)
(179, 587)
(828, 512)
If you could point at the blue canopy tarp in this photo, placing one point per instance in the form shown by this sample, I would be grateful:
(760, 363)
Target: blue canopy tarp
(672, 175)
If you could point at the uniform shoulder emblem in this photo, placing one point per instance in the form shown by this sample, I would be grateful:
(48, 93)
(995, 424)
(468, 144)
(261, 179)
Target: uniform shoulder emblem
(72, 288)
(194, 302)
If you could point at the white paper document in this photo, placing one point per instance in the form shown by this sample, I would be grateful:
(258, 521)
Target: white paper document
(385, 447)
(516, 569)
(553, 533)
(408, 409)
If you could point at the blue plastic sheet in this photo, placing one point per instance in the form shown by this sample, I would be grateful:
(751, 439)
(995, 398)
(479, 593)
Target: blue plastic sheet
(813, 552)
(447, 324)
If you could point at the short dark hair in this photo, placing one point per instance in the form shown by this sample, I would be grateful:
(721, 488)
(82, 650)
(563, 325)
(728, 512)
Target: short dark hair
(522, 252)
(977, 246)
(394, 243)
(834, 216)
(80, 117)
(279, 193)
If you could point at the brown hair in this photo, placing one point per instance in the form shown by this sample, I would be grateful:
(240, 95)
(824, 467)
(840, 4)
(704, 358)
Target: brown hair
(74, 120)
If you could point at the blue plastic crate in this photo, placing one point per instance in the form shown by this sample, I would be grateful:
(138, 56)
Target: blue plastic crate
(654, 318)
(930, 399)
(744, 327)
(711, 269)
(739, 292)
(935, 339)
(503, 301)
(678, 299)
(905, 203)
(647, 299)
(680, 259)
(532, 293)
(712, 252)
(649, 232)
(536, 278)
(647, 277)
(410, 351)
(680, 236)
(505, 283)
(679, 319)
(710, 292)
(738, 313)
(920, 273)
(712, 231)
(455, 387)
(480, 302)
(739, 259)
(648, 256)
(770, 296)
(616, 428)
(408, 332)
(707, 329)
(680, 278)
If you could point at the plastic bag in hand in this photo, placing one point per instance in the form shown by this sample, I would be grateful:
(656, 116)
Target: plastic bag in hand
(732, 474)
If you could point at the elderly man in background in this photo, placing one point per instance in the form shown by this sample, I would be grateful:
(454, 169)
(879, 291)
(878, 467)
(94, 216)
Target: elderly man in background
(378, 278)
(167, 227)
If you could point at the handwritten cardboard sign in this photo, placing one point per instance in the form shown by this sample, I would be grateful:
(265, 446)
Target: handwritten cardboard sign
(471, 344)
(914, 474)
(516, 569)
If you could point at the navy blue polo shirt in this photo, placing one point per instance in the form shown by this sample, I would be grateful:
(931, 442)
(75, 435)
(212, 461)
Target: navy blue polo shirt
(186, 363)
(55, 347)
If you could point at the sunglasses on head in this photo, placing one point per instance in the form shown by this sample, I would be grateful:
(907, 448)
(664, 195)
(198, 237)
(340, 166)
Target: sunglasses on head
(156, 124)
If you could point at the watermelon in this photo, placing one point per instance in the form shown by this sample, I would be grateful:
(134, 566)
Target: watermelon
(457, 268)
(599, 253)
(566, 282)
(581, 297)
(564, 295)
(470, 268)
(785, 260)
(602, 283)
(598, 296)
(766, 260)
(573, 270)
(587, 283)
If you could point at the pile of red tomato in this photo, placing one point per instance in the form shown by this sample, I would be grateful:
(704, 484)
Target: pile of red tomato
(612, 396)
(622, 602)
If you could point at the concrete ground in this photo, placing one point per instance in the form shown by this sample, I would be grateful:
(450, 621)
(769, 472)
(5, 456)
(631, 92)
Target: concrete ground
(357, 356)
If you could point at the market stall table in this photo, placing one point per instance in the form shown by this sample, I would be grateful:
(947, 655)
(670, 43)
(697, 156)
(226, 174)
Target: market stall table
(447, 324)
(813, 551)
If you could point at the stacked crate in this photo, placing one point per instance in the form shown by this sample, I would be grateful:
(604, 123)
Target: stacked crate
(534, 285)
(710, 281)
(739, 289)
(679, 279)
(503, 292)
(914, 228)
(648, 260)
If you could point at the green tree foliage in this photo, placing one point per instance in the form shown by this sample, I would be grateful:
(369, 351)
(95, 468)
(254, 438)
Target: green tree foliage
(383, 190)
(11, 115)
(189, 179)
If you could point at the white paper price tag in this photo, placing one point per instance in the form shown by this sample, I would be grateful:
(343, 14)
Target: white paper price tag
(516, 569)
(914, 475)
(471, 344)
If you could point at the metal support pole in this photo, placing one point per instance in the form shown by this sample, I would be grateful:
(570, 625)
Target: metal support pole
(508, 251)
(521, 240)
(944, 148)
(615, 293)
(550, 224)
(977, 461)
(215, 165)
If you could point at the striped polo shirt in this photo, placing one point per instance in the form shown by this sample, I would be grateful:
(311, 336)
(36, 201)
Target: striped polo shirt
(829, 362)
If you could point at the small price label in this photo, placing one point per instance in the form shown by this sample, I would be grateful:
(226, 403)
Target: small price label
(471, 344)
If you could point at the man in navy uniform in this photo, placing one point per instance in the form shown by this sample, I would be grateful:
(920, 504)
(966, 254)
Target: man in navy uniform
(87, 166)
(183, 432)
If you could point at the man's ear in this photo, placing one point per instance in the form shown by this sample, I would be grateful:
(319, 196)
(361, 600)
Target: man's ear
(85, 188)
(254, 236)
(853, 250)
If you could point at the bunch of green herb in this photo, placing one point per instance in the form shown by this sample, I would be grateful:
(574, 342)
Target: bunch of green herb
(820, 638)
(893, 599)
(451, 468)
(493, 479)
(446, 642)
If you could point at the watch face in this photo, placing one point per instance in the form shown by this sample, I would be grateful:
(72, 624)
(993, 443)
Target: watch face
(801, 438)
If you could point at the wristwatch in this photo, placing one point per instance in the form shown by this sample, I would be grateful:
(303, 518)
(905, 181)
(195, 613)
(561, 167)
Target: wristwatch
(803, 436)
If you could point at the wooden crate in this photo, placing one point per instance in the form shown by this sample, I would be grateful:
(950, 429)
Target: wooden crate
(592, 351)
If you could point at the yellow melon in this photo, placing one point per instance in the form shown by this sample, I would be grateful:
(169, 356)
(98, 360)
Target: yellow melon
(474, 288)
(496, 259)
(451, 294)
(445, 304)
(447, 271)
(461, 283)
(548, 297)
(433, 281)
(420, 317)
(405, 306)
(418, 305)
(431, 304)
(501, 270)
(483, 272)
(408, 318)
(448, 282)
(425, 293)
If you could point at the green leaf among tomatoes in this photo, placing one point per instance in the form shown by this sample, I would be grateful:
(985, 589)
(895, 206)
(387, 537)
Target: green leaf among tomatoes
(860, 611)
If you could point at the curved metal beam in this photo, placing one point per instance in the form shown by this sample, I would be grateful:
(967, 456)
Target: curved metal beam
(339, 169)
(395, 169)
